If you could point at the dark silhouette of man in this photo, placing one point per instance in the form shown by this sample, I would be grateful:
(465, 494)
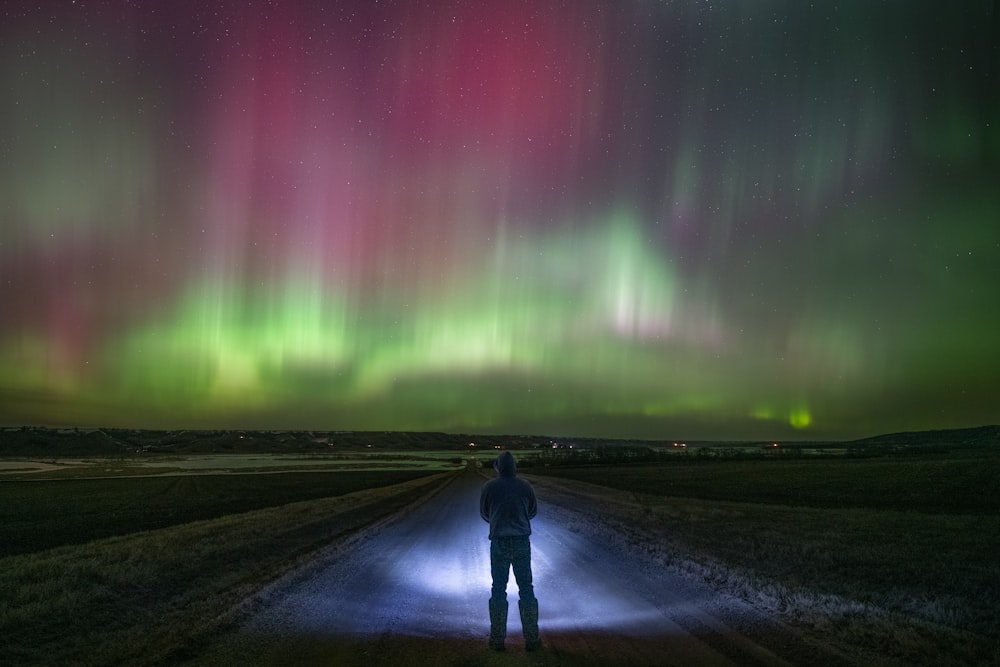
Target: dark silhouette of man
(508, 504)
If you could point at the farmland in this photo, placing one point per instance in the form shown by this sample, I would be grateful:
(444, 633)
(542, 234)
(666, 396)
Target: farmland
(143, 551)
(896, 554)
(44, 514)
(134, 569)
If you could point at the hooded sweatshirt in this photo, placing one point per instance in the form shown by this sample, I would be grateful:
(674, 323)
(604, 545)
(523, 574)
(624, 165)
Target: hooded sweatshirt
(507, 502)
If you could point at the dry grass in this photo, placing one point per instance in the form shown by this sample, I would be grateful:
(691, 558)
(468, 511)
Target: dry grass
(918, 589)
(44, 514)
(140, 598)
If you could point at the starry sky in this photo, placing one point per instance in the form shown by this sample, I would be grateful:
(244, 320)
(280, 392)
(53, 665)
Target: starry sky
(637, 219)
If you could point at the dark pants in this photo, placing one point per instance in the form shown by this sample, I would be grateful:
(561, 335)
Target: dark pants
(507, 553)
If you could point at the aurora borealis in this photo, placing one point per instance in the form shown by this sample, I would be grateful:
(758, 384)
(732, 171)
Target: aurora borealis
(642, 218)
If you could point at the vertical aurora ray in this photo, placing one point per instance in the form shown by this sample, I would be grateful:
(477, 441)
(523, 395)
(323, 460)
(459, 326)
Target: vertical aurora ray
(653, 219)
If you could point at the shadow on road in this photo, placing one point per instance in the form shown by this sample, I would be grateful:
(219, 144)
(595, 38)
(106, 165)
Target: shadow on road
(569, 648)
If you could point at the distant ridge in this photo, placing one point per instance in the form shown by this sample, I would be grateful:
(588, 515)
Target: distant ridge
(38, 441)
(975, 436)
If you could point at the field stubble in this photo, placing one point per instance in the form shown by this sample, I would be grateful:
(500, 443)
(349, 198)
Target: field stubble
(916, 587)
(142, 597)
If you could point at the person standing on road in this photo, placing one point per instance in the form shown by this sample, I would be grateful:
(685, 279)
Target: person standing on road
(508, 504)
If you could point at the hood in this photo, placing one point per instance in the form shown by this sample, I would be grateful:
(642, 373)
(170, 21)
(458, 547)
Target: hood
(505, 465)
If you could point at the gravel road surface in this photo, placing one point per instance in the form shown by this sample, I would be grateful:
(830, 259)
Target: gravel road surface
(415, 592)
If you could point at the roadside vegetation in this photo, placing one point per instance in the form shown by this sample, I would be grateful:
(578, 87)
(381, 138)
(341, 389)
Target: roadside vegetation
(962, 483)
(896, 556)
(144, 597)
(37, 515)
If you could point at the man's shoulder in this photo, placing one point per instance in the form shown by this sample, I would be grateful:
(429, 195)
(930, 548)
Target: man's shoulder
(506, 482)
(491, 484)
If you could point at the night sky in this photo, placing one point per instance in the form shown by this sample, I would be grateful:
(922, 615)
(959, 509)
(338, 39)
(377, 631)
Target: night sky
(640, 218)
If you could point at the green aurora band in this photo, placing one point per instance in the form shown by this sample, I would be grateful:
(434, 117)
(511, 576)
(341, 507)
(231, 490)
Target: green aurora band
(658, 220)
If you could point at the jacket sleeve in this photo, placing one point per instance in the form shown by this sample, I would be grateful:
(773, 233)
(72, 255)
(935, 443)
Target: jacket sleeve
(484, 505)
(531, 504)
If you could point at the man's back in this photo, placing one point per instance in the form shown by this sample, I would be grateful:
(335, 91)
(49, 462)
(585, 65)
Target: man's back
(507, 502)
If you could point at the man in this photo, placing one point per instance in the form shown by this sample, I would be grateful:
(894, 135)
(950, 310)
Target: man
(508, 504)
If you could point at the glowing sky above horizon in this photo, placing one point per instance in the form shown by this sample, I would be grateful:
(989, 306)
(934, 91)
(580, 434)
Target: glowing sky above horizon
(771, 219)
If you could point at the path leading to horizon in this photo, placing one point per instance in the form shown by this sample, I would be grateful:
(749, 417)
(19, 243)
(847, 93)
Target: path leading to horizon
(416, 592)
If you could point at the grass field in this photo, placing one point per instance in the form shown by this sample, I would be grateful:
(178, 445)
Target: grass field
(896, 554)
(141, 597)
(40, 515)
(969, 484)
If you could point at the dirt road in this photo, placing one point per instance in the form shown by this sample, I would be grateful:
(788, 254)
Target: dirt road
(415, 592)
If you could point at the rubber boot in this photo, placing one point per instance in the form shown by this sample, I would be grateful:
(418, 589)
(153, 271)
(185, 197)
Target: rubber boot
(529, 624)
(498, 624)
